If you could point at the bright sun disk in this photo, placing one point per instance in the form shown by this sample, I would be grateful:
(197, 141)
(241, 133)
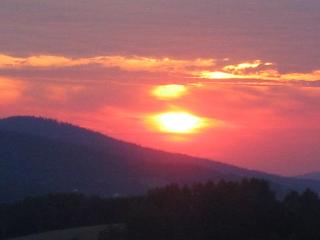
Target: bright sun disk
(179, 122)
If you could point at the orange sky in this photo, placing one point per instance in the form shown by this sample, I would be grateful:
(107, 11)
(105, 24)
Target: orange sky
(201, 79)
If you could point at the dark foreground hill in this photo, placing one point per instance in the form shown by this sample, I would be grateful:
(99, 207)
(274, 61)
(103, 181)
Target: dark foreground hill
(223, 210)
(40, 156)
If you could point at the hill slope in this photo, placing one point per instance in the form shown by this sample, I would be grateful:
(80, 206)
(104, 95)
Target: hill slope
(312, 175)
(39, 156)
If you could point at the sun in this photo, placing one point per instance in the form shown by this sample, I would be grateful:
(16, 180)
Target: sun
(179, 122)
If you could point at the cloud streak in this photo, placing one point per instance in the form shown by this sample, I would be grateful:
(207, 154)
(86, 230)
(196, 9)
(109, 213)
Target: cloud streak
(126, 63)
(202, 68)
(257, 70)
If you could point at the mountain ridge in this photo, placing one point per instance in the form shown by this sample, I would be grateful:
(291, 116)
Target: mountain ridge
(43, 155)
(87, 136)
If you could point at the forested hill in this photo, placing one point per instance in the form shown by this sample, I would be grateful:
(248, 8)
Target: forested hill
(40, 156)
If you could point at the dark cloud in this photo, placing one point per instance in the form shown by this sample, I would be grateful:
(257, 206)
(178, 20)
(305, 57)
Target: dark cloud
(286, 32)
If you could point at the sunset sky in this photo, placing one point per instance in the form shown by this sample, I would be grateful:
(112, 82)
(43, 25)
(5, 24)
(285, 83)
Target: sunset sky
(237, 81)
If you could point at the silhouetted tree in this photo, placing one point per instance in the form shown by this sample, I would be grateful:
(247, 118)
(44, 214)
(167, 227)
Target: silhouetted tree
(224, 210)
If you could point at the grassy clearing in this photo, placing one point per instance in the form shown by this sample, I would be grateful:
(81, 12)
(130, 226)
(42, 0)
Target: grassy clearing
(83, 233)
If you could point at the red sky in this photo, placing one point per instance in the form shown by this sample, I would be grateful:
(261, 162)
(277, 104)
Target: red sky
(235, 81)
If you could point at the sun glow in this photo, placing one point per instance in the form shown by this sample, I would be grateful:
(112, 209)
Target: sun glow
(179, 122)
(169, 91)
(10, 90)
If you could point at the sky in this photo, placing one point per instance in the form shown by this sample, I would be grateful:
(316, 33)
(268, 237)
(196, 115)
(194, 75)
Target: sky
(237, 81)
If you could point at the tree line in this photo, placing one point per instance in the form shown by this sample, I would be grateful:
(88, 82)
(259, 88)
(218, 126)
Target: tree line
(224, 210)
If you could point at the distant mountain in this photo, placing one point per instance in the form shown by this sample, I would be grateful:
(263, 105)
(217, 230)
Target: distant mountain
(39, 156)
(312, 175)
